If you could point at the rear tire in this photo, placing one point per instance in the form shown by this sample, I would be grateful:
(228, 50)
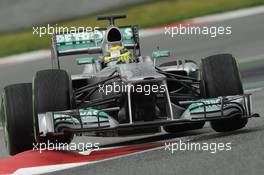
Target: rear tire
(52, 92)
(221, 77)
(17, 115)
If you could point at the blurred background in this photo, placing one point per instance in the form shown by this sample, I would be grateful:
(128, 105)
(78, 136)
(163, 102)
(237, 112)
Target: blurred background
(17, 17)
(22, 14)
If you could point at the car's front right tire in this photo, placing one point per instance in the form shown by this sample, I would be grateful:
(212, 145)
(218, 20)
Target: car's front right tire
(221, 77)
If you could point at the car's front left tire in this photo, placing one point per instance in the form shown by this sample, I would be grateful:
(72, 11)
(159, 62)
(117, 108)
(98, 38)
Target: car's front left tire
(16, 109)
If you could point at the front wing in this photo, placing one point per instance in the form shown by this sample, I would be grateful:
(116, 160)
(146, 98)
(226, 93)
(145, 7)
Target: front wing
(98, 121)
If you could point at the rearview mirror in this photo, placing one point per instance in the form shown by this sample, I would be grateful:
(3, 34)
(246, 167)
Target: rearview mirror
(160, 53)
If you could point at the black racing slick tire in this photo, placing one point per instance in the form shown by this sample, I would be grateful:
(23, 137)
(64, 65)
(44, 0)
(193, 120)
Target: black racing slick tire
(51, 92)
(16, 110)
(221, 78)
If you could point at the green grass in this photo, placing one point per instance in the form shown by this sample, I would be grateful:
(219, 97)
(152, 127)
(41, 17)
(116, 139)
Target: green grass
(149, 14)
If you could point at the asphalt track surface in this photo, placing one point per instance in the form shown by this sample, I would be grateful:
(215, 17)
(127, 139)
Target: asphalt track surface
(246, 155)
(18, 14)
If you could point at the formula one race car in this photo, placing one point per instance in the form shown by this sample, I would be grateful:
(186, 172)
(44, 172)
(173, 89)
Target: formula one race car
(121, 92)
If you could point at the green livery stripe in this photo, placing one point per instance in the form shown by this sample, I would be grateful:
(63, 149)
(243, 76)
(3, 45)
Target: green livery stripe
(213, 104)
(87, 115)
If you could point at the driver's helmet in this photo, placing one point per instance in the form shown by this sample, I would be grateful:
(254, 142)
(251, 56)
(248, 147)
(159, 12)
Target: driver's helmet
(117, 55)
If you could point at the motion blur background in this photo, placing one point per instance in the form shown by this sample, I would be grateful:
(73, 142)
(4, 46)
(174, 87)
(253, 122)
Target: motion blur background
(21, 14)
(17, 17)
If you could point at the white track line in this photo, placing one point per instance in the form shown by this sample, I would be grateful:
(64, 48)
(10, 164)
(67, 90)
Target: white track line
(53, 168)
(230, 15)
(253, 90)
(44, 54)
(46, 169)
(25, 57)
(251, 59)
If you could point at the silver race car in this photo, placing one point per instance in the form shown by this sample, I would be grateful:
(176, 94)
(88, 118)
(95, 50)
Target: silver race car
(120, 92)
